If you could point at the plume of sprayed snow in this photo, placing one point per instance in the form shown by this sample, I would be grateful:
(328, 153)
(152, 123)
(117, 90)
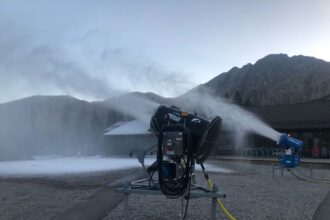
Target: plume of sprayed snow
(39, 69)
(134, 106)
(234, 118)
(87, 68)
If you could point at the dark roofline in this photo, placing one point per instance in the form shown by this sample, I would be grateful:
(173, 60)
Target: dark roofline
(312, 115)
(323, 102)
(301, 125)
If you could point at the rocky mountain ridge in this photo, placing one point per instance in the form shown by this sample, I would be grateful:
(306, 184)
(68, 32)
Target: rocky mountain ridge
(274, 79)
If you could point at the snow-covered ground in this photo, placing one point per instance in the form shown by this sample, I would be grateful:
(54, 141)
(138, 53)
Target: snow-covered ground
(214, 168)
(57, 166)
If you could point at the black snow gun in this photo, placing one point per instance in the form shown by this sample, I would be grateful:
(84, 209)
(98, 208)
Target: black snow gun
(292, 146)
(183, 140)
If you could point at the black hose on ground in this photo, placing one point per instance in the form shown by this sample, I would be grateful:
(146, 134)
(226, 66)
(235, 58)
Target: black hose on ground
(307, 180)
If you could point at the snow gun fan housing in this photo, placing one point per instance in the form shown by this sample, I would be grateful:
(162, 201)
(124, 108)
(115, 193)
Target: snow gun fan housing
(203, 132)
(293, 146)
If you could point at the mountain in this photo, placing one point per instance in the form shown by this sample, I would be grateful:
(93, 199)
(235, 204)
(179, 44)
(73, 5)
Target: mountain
(52, 125)
(63, 125)
(274, 79)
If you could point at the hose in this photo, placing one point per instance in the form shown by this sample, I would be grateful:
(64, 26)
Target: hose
(313, 179)
(219, 202)
(298, 177)
(174, 187)
(307, 180)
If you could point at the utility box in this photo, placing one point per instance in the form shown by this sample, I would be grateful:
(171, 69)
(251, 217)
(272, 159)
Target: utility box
(172, 143)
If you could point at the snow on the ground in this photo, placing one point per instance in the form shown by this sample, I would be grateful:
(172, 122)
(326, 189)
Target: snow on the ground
(214, 168)
(56, 166)
(67, 165)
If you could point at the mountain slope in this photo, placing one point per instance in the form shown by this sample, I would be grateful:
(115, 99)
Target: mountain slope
(63, 125)
(52, 125)
(274, 79)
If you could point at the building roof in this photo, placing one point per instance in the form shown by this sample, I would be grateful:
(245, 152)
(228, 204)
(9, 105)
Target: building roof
(115, 125)
(314, 115)
(135, 127)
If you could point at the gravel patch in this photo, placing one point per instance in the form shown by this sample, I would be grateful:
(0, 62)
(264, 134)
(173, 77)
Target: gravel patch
(251, 192)
(46, 197)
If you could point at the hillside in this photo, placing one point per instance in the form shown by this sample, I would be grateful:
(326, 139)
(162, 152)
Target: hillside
(274, 79)
(52, 125)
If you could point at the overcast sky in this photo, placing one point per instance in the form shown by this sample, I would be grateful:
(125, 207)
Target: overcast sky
(97, 49)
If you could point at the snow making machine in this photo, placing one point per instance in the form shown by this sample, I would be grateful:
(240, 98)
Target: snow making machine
(184, 140)
(292, 148)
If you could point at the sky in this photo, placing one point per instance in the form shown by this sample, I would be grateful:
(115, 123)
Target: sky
(99, 49)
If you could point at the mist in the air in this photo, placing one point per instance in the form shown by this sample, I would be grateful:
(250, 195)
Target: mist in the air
(92, 69)
(234, 117)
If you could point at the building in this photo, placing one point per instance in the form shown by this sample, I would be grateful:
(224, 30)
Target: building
(309, 122)
(127, 138)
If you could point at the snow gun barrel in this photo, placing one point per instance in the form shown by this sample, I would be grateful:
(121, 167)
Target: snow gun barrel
(288, 142)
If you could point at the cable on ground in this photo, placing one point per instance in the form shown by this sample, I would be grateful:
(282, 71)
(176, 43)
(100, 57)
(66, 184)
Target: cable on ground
(306, 179)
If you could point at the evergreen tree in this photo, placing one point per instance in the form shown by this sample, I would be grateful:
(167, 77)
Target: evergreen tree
(248, 102)
(237, 98)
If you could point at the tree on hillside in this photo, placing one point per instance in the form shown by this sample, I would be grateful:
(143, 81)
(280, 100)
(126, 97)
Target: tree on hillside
(247, 102)
(237, 98)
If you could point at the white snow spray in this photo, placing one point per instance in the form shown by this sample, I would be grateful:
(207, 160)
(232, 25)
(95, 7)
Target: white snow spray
(234, 118)
(134, 106)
